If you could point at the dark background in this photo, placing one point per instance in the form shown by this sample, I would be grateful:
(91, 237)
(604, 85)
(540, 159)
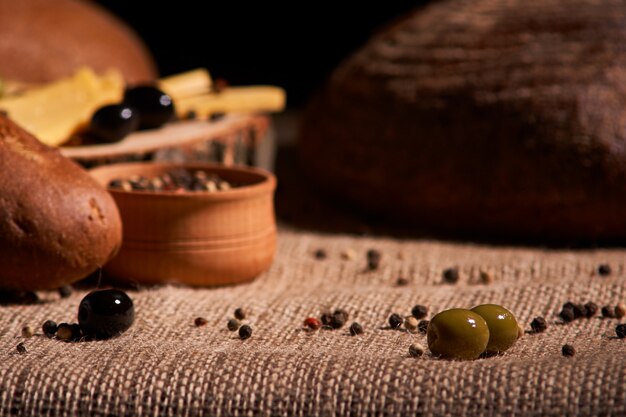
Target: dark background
(295, 46)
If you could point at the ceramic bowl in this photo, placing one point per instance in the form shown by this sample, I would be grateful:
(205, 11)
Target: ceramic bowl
(193, 238)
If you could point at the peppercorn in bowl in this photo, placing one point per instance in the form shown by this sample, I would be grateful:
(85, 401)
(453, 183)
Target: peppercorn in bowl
(196, 224)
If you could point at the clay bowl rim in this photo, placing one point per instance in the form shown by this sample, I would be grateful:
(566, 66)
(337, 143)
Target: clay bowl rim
(267, 180)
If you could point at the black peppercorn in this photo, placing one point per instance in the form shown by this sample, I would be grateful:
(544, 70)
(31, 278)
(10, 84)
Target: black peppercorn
(356, 329)
(233, 325)
(49, 328)
(451, 275)
(422, 327)
(567, 315)
(200, 321)
(591, 309)
(339, 318)
(402, 282)
(604, 270)
(373, 259)
(579, 311)
(538, 325)
(240, 314)
(320, 254)
(568, 350)
(21, 348)
(65, 291)
(343, 313)
(620, 330)
(395, 321)
(245, 332)
(608, 312)
(419, 311)
(327, 319)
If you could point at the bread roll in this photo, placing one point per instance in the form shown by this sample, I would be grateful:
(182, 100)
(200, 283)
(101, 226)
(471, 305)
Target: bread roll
(57, 224)
(483, 116)
(43, 40)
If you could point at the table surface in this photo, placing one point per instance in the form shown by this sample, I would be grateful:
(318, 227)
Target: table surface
(166, 366)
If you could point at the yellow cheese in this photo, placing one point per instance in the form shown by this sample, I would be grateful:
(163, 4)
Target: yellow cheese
(186, 84)
(55, 111)
(234, 99)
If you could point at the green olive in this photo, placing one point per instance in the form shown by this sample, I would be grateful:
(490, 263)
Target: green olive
(503, 329)
(457, 334)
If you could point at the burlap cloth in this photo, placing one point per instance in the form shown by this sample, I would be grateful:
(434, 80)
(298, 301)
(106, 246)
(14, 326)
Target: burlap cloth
(165, 366)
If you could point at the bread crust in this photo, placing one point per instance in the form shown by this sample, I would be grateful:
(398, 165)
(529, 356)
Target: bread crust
(42, 41)
(493, 118)
(57, 224)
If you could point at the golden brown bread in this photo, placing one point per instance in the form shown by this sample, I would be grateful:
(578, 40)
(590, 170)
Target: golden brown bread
(43, 40)
(489, 117)
(57, 224)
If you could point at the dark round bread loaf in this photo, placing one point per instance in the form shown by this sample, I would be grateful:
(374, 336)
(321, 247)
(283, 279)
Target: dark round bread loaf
(483, 116)
(43, 40)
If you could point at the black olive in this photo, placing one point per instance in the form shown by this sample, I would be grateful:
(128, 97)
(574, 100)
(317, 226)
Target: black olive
(155, 108)
(113, 123)
(104, 314)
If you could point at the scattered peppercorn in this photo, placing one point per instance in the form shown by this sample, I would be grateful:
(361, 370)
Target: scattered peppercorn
(416, 350)
(608, 312)
(240, 313)
(245, 332)
(411, 323)
(65, 291)
(402, 282)
(567, 315)
(339, 318)
(395, 321)
(419, 311)
(320, 254)
(579, 311)
(604, 270)
(486, 277)
(233, 325)
(620, 310)
(451, 275)
(591, 309)
(373, 259)
(21, 348)
(348, 254)
(49, 328)
(200, 321)
(422, 327)
(191, 115)
(620, 330)
(327, 319)
(568, 350)
(27, 331)
(356, 329)
(343, 313)
(68, 332)
(312, 323)
(538, 325)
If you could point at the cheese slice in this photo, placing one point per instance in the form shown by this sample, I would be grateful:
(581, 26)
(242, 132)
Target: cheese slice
(233, 100)
(55, 111)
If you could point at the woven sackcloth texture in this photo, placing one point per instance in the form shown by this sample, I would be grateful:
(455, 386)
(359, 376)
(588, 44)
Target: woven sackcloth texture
(165, 366)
